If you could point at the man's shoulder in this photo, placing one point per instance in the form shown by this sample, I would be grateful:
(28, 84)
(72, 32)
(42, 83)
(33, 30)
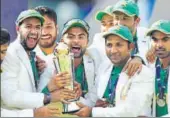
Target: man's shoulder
(14, 47)
(105, 65)
(97, 38)
(146, 74)
(92, 51)
(87, 56)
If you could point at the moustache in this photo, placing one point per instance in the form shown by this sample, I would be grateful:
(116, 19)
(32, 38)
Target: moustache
(32, 35)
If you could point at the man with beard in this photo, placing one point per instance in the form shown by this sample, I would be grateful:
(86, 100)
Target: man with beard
(19, 79)
(124, 96)
(75, 34)
(160, 36)
(47, 42)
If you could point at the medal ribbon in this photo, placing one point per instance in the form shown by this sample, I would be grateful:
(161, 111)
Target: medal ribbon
(112, 89)
(161, 85)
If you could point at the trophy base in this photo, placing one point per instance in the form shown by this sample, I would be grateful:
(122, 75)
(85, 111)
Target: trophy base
(70, 108)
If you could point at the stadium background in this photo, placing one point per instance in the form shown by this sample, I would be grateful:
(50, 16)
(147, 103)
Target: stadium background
(150, 11)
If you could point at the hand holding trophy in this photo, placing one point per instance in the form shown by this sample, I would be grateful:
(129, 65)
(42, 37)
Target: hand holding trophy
(64, 62)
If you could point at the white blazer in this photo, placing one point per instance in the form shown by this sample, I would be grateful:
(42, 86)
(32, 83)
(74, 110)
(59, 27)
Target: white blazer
(17, 113)
(133, 95)
(17, 82)
(88, 65)
(99, 44)
(152, 67)
(39, 52)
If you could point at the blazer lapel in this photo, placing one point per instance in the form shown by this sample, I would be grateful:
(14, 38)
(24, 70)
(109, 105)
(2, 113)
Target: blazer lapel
(168, 96)
(25, 60)
(122, 87)
(89, 70)
(103, 80)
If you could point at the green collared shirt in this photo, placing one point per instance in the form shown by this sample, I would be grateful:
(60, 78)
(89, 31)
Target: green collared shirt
(114, 77)
(160, 111)
(81, 78)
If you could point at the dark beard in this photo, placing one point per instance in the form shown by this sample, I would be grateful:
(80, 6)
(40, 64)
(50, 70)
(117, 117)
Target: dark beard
(49, 45)
(23, 43)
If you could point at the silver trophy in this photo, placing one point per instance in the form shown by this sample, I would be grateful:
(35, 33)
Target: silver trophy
(64, 62)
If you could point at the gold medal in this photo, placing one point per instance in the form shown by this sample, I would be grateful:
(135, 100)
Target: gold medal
(161, 102)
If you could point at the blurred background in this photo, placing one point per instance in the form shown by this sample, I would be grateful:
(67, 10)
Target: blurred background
(150, 11)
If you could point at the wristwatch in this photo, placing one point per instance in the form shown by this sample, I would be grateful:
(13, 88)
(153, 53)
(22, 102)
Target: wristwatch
(47, 99)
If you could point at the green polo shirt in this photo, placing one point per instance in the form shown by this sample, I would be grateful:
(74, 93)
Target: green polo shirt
(114, 77)
(81, 78)
(160, 111)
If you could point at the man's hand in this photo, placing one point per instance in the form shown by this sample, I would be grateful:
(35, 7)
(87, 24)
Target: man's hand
(150, 55)
(62, 95)
(58, 81)
(85, 111)
(77, 89)
(133, 66)
(101, 103)
(41, 64)
(46, 112)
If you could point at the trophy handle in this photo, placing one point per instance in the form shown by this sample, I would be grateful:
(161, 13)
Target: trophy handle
(56, 64)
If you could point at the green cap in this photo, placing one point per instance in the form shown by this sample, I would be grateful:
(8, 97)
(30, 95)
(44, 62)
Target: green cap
(75, 23)
(106, 11)
(27, 14)
(128, 7)
(121, 31)
(160, 25)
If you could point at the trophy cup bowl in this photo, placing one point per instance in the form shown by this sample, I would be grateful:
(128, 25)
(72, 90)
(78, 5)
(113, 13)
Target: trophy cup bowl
(64, 62)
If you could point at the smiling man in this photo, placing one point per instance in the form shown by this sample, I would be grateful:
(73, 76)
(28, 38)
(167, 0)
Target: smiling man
(47, 42)
(19, 79)
(75, 34)
(123, 96)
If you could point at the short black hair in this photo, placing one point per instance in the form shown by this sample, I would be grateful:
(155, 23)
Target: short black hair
(5, 36)
(43, 10)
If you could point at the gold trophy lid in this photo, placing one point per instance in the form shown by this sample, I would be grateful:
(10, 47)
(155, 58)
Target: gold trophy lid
(62, 49)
